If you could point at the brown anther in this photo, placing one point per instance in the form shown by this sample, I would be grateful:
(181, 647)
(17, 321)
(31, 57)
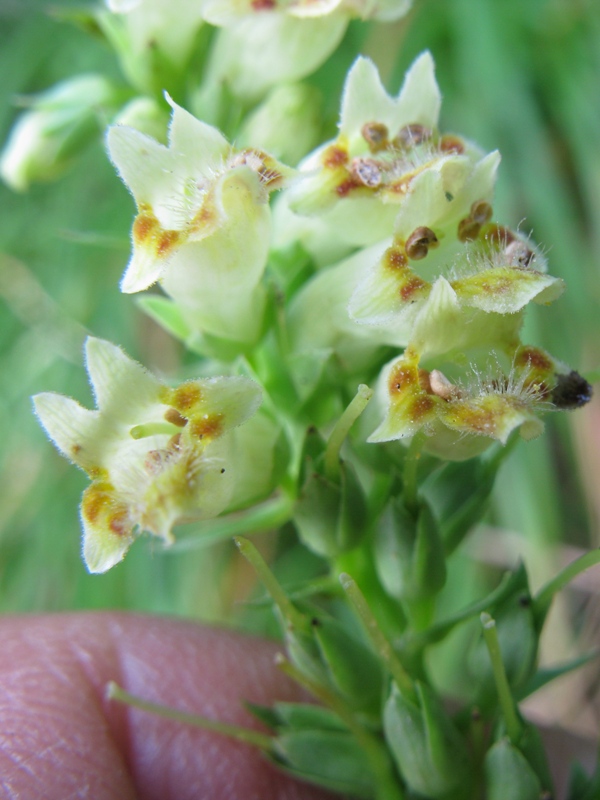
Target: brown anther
(451, 144)
(418, 243)
(174, 417)
(481, 211)
(441, 386)
(375, 135)
(366, 171)
(468, 229)
(517, 251)
(174, 443)
(410, 135)
(498, 234)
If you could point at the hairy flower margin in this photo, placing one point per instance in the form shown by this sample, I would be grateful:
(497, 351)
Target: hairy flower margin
(155, 454)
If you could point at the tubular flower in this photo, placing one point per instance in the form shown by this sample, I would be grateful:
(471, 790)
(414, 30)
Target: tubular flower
(155, 455)
(461, 418)
(479, 297)
(265, 42)
(154, 39)
(203, 222)
(362, 180)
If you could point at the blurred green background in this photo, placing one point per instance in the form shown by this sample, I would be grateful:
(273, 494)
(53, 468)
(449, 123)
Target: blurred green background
(520, 77)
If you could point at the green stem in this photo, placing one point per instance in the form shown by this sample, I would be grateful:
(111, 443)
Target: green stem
(388, 788)
(342, 428)
(543, 598)
(288, 611)
(411, 463)
(380, 642)
(260, 740)
(507, 703)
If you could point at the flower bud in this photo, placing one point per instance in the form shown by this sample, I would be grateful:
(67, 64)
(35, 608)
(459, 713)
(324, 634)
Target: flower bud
(330, 513)
(331, 759)
(312, 743)
(287, 123)
(59, 123)
(507, 774)
(153, 39)
(459, 494)
(427, 747)
(354, 670)
(409, 555)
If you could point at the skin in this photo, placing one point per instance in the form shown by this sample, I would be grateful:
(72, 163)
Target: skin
(60, 738)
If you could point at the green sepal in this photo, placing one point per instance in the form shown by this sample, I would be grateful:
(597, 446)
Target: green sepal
(427, 747)
(331, 514)
(354, 669)
(331, 759)
(305, 654)
(296, 716)
(459, 493)
(409, 554)
(518, 637)
(508, 774)
(167, 314)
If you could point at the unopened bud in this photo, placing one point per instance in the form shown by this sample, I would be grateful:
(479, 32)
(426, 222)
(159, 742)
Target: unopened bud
(430, 752)
(59, 123)
(508, 774)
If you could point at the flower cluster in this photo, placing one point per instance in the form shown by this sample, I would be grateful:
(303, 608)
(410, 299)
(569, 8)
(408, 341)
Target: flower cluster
(398, 222)
(449, 284)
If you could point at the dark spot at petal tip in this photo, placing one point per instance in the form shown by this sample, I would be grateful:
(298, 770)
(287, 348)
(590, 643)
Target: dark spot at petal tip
(571, 391)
